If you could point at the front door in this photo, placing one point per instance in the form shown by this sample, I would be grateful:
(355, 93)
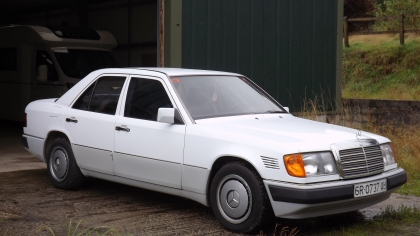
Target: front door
(145, 149)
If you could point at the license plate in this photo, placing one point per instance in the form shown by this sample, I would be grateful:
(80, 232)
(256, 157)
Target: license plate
(370, 188)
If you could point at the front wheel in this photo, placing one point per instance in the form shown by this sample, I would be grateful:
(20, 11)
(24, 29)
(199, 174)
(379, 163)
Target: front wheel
(62, 167)
(239, 199)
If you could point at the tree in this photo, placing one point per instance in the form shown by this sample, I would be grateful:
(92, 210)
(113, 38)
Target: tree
(359, 8)
(395, 8)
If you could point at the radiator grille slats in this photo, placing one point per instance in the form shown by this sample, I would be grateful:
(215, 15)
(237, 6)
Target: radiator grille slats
(361, 161)
(270, 162)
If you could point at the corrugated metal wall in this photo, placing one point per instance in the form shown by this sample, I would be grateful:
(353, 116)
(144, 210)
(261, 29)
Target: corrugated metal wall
(288, 47)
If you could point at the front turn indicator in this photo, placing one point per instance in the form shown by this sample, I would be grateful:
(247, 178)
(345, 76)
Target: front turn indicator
(294, 165)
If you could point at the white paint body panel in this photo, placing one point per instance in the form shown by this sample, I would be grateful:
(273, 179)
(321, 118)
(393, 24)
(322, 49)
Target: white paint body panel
(151, 152)
(178, 158)
(93, 139)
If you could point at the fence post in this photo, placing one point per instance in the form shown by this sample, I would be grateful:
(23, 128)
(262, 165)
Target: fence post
(346, 32)
(402, 29)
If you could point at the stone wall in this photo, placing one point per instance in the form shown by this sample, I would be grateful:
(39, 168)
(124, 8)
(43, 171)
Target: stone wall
(384, 111)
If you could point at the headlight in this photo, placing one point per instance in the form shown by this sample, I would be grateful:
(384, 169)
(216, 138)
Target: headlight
(310, 164)
(388, 153)
(320, 163)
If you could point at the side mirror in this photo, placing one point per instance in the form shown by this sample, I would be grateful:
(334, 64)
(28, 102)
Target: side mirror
(169, 116)
(287, 109)
(42, 73)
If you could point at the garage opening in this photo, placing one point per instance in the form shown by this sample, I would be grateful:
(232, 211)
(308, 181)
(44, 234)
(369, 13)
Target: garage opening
(133, 23)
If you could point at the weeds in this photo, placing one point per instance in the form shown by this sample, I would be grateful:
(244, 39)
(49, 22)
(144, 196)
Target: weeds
(401, 212)
(284, 231)
(82, 231)
(400, 221)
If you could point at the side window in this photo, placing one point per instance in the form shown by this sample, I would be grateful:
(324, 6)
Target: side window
(102, 96)
(8, 59)
(45, 69)
(144, 98)
(83, 102)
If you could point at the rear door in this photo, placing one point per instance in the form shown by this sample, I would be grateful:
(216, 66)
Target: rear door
(91, 123)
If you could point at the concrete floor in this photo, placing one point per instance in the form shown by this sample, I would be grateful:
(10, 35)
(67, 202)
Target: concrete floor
(13, 156)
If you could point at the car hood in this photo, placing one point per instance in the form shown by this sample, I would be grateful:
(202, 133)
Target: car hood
(286, 130)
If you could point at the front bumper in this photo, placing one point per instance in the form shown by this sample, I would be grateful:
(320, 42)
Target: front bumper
(302, 201)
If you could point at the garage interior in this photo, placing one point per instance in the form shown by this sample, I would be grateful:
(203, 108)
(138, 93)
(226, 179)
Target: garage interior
(291, 48)
(134, 23)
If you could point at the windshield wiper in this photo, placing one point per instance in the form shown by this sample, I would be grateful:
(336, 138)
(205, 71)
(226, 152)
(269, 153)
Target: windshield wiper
(271, 111)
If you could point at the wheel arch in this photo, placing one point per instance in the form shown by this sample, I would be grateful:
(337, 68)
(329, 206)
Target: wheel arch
(219, 163)
(52, 135)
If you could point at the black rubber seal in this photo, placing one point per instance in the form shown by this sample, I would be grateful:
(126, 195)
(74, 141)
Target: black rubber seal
(396, 181)
(24, 142)
(311, 196)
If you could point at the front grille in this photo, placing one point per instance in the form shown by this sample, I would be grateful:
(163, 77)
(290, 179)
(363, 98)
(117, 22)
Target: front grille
(361, 161)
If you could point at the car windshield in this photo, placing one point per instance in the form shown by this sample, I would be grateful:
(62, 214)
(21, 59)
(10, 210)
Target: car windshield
(77, 63)
(217, 96)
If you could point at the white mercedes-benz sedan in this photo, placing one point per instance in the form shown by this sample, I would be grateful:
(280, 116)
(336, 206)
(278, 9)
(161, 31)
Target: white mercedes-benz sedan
(213, 137)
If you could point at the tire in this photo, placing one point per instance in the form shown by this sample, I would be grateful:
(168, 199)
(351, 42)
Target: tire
(239, 199)
(62, 167)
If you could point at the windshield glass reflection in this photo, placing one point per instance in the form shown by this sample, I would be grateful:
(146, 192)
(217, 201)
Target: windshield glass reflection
(217, 96)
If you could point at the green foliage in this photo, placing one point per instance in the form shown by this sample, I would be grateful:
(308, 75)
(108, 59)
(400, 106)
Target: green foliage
(395, 8)
(385, 71)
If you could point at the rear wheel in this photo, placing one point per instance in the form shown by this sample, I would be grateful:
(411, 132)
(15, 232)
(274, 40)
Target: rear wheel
(62, 167)
(238, 198)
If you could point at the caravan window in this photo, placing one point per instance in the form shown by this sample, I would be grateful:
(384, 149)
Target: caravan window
(8, 59)
(45, 68)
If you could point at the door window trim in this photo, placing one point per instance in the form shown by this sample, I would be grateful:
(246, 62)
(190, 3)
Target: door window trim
(165, 86)
(127, 77)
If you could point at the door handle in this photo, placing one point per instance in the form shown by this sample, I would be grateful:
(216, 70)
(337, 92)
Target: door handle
(71, 120)
(122, 128)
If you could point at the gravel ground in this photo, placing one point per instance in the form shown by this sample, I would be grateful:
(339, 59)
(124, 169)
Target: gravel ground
(28, 201)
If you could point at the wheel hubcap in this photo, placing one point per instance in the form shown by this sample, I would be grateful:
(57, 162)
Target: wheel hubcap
(234, 199)
(59, 164)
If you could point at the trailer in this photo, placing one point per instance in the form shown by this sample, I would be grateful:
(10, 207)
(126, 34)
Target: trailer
(39, 62)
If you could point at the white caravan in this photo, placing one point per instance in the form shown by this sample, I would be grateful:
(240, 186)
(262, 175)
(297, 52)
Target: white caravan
(39, 62)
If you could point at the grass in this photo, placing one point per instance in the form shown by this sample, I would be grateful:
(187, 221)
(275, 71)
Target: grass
(81, 230)
(377, 67)
(400, 221)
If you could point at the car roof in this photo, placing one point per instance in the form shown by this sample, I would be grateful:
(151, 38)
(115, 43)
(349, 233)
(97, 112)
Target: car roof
(184, 72)
(68, 97)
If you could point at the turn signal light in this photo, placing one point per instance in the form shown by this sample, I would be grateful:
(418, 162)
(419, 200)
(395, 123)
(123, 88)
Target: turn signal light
(294, 165)
(393, 150)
